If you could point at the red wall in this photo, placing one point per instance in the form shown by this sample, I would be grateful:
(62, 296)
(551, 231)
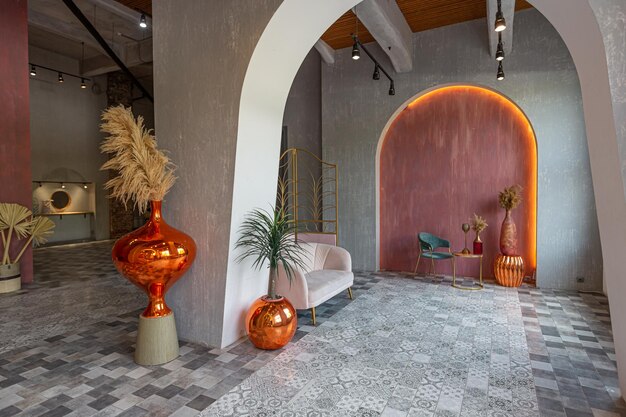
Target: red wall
(15, 170)
(445, 157)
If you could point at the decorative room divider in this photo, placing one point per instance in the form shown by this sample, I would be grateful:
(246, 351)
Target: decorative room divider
(307, 189)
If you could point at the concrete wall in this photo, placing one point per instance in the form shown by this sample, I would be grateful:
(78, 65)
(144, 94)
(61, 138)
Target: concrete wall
(65, 136)
(540, 78)
(196, 108)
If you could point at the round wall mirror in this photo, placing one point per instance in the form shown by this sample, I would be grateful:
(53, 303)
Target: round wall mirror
(60, 200)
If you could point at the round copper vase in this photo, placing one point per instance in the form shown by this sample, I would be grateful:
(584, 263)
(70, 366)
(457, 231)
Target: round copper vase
(509, 270)
(153, 258)
(271, 323)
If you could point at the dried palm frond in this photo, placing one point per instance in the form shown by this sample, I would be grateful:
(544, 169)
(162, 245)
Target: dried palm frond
(478, 223)
(15, 218)
(40, 229)
(144, 172)
(510, 197)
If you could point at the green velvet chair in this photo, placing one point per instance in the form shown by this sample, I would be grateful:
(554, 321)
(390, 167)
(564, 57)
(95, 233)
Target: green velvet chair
(428, 243)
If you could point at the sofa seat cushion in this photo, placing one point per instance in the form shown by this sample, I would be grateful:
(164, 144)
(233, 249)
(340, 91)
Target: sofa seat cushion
(326, 283)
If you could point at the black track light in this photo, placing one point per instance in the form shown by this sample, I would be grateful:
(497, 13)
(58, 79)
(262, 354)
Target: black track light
(392, 89)
(356, 53)
(142, 21)
(60, 78)
(500, 50)
(82, 83)
(500, 23)
(500, 75)
(33, 70)
(376, 75)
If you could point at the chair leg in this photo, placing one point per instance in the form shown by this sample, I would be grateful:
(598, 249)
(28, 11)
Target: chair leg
(313, 315)
(432, 261)
(350, 293)
(417, 263)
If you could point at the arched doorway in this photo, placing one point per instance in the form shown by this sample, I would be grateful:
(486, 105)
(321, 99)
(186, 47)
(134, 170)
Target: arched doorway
(435, 164)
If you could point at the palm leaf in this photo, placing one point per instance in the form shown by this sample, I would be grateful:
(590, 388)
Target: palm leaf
(41, 230)
(14, 216)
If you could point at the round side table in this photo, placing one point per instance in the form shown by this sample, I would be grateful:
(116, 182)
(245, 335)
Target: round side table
(467, 256)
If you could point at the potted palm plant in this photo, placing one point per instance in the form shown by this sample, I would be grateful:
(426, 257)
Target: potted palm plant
(268, 238)
(18, 223)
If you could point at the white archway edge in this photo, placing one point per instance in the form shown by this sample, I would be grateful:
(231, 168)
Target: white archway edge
(288, 37)
(576, 23)
(383, 134)
(290, 34)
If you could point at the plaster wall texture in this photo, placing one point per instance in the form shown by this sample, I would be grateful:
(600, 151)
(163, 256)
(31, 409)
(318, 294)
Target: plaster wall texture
(540, 77)
(303, 118)
(197, 93)
(65, 136)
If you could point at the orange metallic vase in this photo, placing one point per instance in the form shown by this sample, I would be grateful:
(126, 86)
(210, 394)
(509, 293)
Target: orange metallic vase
(271, 323)
(509, 270)
(153, 258)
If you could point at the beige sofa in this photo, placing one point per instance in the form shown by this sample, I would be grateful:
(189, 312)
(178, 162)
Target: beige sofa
(327, 272)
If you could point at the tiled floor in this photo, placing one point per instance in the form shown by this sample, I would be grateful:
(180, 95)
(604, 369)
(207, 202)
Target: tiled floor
(403, 347)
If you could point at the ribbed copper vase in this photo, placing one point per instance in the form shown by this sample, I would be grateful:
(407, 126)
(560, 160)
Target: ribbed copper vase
(509, 270)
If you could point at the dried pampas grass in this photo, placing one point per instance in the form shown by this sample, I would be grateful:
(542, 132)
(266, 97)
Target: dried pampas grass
(478, 223)
(144, 172)
(510, 197)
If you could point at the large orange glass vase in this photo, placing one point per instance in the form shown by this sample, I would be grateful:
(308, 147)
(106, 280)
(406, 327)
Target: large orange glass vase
(270, 323)
(153, 258)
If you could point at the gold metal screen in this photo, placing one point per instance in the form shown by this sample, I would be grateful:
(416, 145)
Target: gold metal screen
(307, 190)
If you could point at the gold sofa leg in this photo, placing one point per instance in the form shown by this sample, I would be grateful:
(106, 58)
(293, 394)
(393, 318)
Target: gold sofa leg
(350, 293)
(313, 315)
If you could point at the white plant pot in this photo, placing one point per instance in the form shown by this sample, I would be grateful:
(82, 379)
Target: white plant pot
(10, 278)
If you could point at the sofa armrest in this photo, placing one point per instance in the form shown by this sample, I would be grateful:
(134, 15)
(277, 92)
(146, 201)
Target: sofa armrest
(338, 259)
(297, 292)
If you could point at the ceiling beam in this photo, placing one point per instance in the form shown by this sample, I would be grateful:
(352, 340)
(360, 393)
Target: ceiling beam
(386, 23)
(508, 9)
(135, 54)
(326, 52)
(120, 10)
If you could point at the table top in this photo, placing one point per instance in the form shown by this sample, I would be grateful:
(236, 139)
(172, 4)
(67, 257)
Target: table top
(467, 255)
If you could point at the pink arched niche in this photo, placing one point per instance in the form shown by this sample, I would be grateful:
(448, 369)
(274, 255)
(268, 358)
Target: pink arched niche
(445, 157)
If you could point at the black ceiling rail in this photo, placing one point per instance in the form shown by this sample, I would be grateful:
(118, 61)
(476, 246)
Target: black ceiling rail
(372, 58)
(94, 32)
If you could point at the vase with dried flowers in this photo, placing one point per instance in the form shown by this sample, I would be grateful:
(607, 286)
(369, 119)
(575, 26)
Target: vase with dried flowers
(478, 225)
(156, 255)
(18, 223)
(509, 198)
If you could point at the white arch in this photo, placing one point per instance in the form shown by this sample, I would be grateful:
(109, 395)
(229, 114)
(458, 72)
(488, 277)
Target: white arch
(290, 34)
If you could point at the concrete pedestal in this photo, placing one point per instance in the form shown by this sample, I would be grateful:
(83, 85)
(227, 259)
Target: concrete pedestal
(157, 341)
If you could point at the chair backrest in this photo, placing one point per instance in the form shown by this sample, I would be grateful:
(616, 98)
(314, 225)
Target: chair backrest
(431, 242)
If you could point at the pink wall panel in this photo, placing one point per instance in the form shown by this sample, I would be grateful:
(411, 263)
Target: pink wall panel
(15, 170)
(445, 157)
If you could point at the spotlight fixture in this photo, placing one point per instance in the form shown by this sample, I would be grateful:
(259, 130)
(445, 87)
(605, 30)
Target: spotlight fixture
(500, 75)
(40, 183)
(33, 70)
(142, 21)
(500, 50)
(356, 54)
(62, 185)
(60, 78)
(500, 23)
(82, 83)
(85, 186)
(377, 67)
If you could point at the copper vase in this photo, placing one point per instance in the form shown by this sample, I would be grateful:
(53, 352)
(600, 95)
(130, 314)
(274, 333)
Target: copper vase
(509, 270)
(153, 258)
(271, 323)
(508, 236)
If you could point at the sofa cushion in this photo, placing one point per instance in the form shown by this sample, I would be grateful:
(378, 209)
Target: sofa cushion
(326, 283)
